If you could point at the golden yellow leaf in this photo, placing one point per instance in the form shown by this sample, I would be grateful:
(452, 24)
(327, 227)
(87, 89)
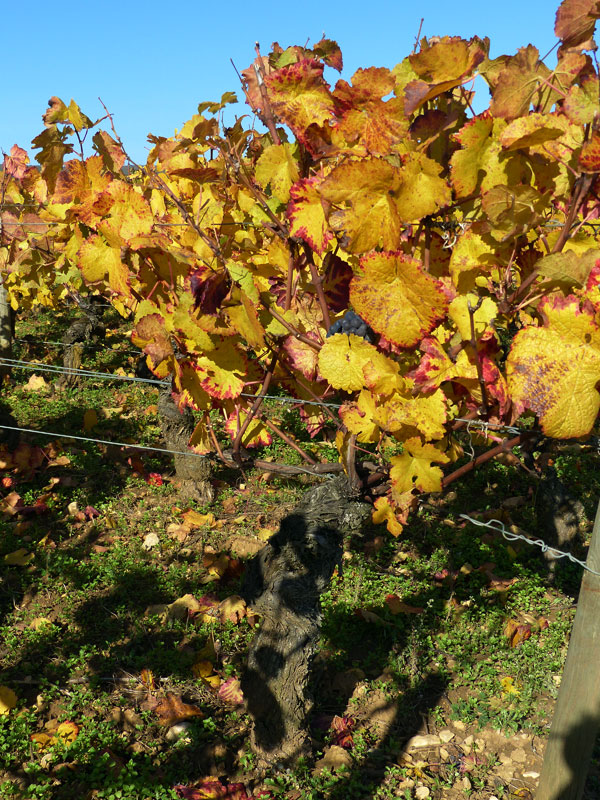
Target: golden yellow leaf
(554, 369)
(278, 167)
(8, 700)
(413, 469)
(19, 558)
(458, 311)
(342, 360)
(197, 520)
(36, 384)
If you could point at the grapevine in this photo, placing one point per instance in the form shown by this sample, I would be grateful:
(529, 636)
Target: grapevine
(380, 245)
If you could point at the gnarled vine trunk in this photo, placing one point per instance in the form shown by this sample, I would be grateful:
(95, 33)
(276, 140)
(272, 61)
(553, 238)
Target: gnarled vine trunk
(283, 584)
(87, 328)
(192, 473)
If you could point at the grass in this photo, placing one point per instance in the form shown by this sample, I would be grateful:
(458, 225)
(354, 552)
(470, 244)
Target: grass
(85, 637)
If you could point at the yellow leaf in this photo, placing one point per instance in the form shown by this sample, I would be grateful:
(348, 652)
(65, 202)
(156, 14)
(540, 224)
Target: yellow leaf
(202, 669)
(264, 534)
(413, 469)
(343, 359)
(385, 513)
(397, 298)
(458, 311)
(90, 419)
(196, 520)
(509, 686)
(97, 260)
(278, 167)
(358, 417)
(8, 700)
(19, 558)
(67, 731)
(554, 369)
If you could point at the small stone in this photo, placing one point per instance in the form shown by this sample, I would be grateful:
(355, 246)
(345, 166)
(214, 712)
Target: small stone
(422, 792)
(531, 774)
(460, 726)
(466, 784)
(519, 755)
(480, 745)
(333, 758)
(504, 758)
(419, 742)
(505, 772)
(177, 731)
(407, 783)
(446, 735)
(444, 754)
(468, 742)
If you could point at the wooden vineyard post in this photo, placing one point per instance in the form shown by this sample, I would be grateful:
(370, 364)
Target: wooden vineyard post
(576, 719)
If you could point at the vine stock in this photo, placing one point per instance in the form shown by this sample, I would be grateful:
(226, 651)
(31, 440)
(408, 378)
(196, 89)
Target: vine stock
(465, 242)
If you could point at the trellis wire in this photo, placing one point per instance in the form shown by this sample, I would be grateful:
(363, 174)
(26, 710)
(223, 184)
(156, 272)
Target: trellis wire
(138, 446)
(499, 527)
(87, 345)
(55, 369)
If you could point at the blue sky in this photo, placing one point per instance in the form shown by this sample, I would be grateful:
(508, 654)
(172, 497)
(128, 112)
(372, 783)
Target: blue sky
(152, 63)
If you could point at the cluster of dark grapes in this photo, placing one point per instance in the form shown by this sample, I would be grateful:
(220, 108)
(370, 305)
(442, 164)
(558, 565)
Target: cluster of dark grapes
(352, 323)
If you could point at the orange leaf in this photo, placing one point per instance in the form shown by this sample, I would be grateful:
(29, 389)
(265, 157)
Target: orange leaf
(171, 709)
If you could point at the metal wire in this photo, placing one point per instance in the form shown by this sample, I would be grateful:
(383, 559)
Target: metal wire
(499, 527)
(55, 369)
(103, 441)
(84, 373)
(88, 345)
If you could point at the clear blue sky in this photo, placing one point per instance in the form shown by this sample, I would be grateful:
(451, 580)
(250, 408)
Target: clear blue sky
(153, 62)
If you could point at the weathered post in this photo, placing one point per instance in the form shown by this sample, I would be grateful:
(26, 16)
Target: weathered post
(576, 719)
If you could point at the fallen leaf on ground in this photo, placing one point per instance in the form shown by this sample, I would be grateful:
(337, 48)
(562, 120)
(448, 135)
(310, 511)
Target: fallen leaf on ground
(212, 789)
(8, 700)
(397, 606)
(196, 520)
(19, 558)
(171, 709)
(230, 692)
(370, 616)
(509, 686)
(517, 632)
(66, 732)
(232, 609)
(264, 534)
(342, 728)
(147, 679)
(154, 479)
(11, 504)
(183, 607)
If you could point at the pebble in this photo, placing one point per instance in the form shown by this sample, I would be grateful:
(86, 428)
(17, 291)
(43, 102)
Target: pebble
(468, 743)
(418, 742)
(460, 726)
(177, 730)
(531, 774)
(422, 792)
(446, 736)
(444, 754)
(480, 745)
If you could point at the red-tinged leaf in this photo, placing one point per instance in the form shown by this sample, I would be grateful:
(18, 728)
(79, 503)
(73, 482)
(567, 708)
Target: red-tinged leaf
(589, 158)
(365, 119)
(255, 435)
(307, 215)
(394, 295)
(91, 512)
(330, 53)
(230, 692)
(342, 728)
(336, 282)
(300, 97)
(154, 479)
(11, 504)
(576, 20)
(111, 151)
(151, 336)
(232, 609)
(397, 606)
(209, 288)
(221, 373)
(212, 789)
(516, 632)
(517, 84)
(15, 164)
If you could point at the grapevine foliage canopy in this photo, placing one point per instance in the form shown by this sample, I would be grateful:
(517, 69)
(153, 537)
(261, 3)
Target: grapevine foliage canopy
(466, 244)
